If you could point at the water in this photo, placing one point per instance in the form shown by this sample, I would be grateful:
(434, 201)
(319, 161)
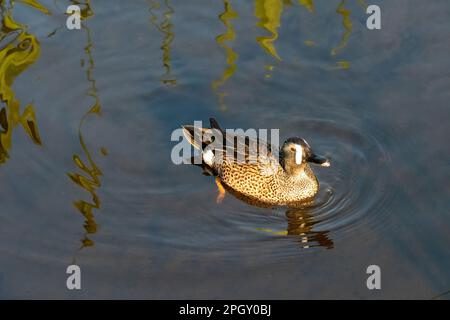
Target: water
(85, 170)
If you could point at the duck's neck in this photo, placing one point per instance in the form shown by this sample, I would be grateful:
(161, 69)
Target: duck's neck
(294, 170)
(301, 174)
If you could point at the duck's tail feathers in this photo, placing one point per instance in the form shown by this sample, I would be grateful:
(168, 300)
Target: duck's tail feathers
(214, 124)
(189, 132)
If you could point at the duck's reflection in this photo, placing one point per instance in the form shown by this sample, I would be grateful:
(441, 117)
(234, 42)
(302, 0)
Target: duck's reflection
(89, 179)
(18, 50)
(300, 223)
(231, 56)
(166, 29)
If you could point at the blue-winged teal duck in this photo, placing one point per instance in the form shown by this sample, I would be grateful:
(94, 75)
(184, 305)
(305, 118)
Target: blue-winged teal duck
(267, 179)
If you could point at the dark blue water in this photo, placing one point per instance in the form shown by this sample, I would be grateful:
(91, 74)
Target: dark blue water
(86, 176)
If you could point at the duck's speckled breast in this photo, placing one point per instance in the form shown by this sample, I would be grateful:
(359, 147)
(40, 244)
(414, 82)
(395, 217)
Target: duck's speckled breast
(276, 188)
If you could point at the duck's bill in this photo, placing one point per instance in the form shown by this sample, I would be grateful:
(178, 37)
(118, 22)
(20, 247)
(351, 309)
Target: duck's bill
(319, 160)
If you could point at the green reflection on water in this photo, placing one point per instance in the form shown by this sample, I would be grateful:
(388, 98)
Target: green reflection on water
(85, 8)
(35, 4)
(166, 28)
(231, 55)
(268, 13)
(348, 27)
(308, 4)
(18, 50)
(344, 64)
(89, 178)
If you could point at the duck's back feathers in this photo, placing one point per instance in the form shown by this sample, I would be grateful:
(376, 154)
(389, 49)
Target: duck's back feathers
(234, 148)
(247, 165)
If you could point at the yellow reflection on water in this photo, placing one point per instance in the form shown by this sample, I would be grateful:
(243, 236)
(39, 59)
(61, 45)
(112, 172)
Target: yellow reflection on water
(18, 50)
(348, 27)
(35, 4)
(268, 13)
(89, 178)
(344, 64)
(308, 4)
(166, 28)
(231, 55)
(85, 8)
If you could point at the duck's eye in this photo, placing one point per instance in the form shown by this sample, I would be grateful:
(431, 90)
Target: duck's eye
(292, 149)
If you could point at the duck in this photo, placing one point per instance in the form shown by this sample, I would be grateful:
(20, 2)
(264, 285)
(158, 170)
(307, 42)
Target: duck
(260, 175)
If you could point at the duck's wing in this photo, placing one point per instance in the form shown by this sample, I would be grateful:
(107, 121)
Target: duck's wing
(242, 147)
(248, 149)
(237, 148)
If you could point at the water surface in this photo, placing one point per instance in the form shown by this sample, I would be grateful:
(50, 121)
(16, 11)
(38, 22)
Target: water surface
(85, 170)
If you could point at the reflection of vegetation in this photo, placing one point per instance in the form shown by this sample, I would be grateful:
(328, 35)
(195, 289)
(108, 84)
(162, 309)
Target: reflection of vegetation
(35, 4)
(308, 4)
(89, 179)
(85, 8)
(18, 50)
(165, 27)
(269, 14)
(342, 64)
(348, 27)
(362, 3)
(232, 56)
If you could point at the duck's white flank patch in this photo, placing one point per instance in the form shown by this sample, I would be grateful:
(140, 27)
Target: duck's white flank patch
(208, 157)
(298, 154)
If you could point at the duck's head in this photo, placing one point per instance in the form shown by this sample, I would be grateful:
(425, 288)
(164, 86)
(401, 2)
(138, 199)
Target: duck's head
(296, 154)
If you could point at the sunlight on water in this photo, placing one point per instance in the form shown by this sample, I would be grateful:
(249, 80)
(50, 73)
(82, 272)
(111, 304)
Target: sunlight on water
(231, 55)
(18, 50)
(89, 180)
(165, 27)
(268, 13)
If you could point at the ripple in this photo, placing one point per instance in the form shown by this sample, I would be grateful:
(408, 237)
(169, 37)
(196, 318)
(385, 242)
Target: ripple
(359, 181)
(354, 195)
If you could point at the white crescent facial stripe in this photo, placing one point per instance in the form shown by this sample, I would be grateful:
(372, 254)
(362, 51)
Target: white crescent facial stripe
(298, 154)
(208, 157)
